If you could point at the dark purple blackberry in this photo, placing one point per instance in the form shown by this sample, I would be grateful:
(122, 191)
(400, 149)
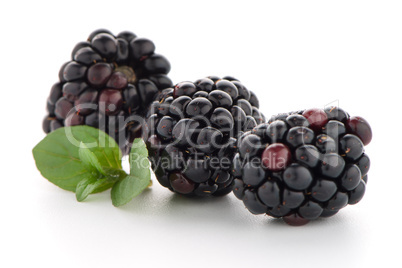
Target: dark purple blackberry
(201, 121)
(302, 165)
(108, 84)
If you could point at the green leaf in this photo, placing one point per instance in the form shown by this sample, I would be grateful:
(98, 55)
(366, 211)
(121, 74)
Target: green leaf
(98, 184)
(85, 187)
(125, 190)
(89, 159)
(139, 163)
(57, 155)
(139, 178)
(113, 175)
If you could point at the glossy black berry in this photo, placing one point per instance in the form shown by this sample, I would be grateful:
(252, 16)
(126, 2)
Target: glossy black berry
(123, 50)
(336, 113)
(239, 117)
(332, 165)
(205, 189)
(116, 77)
(317, 118)
(105, 44)
(221, 176)
(203, 121)
(328, 213)
(209, 139)
(155, 64)
(63, 107)
(244, 93)
(110, 102)
(250, 146)
(204, 85)
(132, 99)
(270, 193)
(199, 107)
(292, 199)
(252, 203)
(98, 74)
(222, 119)
(220, 98)
(55, 93)
(72, 90)
(224, 188)
(180, 183)
(276, 131)
(238, 188)
(164, 108)
(338, 201)
(278, 211)
(297, 120)
(185, 132)
(310, 210)
(297, 177)
(357, 194)
(165, 127)
(246, 106)
(46, 124)
(297, 136)
(351, 178)
(117, 80)
(126, 35)
(228, 149)
(313, 164)
(326, 144)
(86, 103)
(334, 129)
(361, 128)
(203, 94)
(74, 119)
(294, 219)
(237, 166)
(97, 120)
(174, 157)
(176, 108)
(364, 164)
(351, 147)
(197, 170)
(261, 131)
(81, 45)
(323, 190)
(142, 48)
(228, 87)
(250, 123)
(253, 174)
(95, 33)
(87, 56)
(74, 71)
(147, 90)
(308, 155)
(254, 100)
(184, 89)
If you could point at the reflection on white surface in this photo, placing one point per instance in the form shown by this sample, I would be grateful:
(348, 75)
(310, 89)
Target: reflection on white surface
(177, 229)
(226, 225)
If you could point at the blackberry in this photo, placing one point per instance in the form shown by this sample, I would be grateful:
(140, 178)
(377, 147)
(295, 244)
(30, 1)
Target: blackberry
(108, 84)
(193, 131)
(303, 165)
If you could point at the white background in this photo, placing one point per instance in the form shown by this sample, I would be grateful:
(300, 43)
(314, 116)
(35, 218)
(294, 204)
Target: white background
(293, 54)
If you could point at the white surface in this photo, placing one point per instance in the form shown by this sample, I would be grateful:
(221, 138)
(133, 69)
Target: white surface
(293, 54)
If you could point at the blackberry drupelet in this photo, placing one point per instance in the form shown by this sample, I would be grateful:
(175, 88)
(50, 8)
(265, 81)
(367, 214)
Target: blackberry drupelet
(108, 84)
(192, 133)
(303, 165)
